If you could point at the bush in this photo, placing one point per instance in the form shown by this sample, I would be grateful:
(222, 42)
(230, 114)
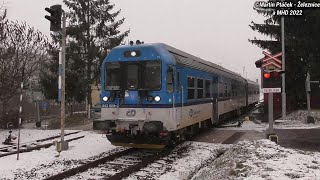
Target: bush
(10, 120)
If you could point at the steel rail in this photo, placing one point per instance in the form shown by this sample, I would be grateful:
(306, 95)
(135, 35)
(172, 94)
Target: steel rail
(38, 147)
(39, 140)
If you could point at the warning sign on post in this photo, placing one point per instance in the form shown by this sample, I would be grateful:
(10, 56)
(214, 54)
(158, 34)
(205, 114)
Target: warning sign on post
(271, 90)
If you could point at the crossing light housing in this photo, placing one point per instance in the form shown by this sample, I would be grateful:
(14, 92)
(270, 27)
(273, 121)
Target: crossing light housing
(258, 63)
(55, 17)
(272, 78)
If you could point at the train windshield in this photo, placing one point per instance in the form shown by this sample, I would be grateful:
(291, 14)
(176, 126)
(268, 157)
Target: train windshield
(152, 75)
(132, 76)
(144, 75)
(113, 76)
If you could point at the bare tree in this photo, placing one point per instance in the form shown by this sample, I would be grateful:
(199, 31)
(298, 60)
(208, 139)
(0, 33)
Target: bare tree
(22, 51)
(3, 12)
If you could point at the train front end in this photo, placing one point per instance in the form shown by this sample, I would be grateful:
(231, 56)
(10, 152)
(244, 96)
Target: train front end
(133, 96)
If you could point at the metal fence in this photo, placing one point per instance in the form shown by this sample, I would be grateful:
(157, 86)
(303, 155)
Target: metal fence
(32, 111)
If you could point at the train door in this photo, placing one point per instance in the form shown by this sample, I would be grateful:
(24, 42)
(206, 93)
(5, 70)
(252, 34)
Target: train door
(215, 93)
(178, 95)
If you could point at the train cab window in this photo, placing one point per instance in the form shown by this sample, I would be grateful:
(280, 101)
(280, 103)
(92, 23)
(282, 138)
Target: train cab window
(113, 76)
(170, 79)
(191, 89)
(132, 76)
(200, 89)
(207, 91)
(152, 75)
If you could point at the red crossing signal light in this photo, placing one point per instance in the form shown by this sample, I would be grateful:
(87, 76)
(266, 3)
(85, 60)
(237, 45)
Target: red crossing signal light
(266, 75)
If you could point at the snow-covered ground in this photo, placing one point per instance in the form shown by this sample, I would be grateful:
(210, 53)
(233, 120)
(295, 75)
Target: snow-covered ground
(42, 163)
(295, 120)
(260, 159)
(298, 119)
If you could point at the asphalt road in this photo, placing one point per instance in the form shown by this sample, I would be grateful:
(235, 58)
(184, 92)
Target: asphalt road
(303, 139)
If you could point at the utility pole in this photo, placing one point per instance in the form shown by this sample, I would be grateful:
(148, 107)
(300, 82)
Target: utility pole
(283, 69)
(243, 71)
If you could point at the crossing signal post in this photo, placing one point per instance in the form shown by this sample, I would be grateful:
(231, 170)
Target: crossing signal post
(271, 71)
(56, 13)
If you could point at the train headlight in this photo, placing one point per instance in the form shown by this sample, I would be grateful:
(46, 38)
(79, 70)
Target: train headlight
(157, 98)
(105, 98)
(133, 53)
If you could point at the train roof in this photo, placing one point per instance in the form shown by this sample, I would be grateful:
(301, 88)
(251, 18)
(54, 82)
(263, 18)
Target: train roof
(198, 63)
(252, 82)
(189, 60)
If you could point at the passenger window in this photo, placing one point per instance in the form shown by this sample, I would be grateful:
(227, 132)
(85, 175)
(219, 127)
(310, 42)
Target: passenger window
(178, 82)
(221, 89)
(200, 89)
(207, 95)
(225, 90)
(232, 90)
(170, 79)
(191, 88)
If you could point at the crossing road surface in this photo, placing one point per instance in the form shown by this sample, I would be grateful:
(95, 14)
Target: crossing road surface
(304, 139)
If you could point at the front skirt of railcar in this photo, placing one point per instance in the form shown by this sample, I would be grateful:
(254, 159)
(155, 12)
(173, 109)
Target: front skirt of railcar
(138, 141)
(151, 136)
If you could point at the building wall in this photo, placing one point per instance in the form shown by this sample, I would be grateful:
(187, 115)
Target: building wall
(95, 94)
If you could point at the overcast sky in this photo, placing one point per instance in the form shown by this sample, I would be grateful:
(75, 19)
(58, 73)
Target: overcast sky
(213, 30)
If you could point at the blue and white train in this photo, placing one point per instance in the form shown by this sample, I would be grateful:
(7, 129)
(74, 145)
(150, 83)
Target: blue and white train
(154, 94)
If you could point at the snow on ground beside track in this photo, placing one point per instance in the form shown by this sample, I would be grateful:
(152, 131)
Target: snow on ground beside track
(185, 160)
(262, 159)
(294, 120)
(40, 164)
(298, 119)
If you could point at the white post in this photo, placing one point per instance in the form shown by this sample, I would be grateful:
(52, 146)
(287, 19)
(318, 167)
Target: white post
(270, 113)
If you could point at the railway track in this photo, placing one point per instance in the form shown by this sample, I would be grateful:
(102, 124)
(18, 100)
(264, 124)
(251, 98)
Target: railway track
(33, 145)
(117, 165)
